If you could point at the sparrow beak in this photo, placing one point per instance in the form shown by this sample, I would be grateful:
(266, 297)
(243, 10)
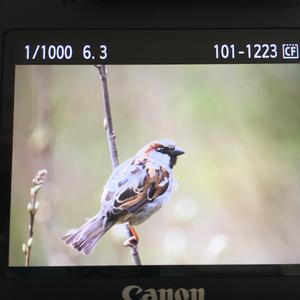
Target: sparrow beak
(177, 151)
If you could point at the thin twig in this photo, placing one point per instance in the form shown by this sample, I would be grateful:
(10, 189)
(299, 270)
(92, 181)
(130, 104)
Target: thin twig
(133, 247)
(32, 208)
(111, 139)
(108, 125)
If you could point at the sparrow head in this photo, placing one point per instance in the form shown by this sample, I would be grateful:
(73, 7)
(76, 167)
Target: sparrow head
(165, 151)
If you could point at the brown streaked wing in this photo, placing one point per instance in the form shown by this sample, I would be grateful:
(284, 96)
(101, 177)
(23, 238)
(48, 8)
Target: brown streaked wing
(156, 183)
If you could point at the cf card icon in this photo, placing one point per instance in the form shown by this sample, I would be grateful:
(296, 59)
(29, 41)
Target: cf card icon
(290, 51)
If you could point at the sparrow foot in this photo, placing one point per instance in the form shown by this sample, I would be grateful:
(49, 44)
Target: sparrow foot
(131, 242)
(134, 239)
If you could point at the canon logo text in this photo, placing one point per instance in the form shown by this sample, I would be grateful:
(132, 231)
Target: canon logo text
(134, 292)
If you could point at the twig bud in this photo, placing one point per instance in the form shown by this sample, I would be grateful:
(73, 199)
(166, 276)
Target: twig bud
(35, 189)
(39, 178)
(42, 173)
(105, 123)
(36, 206)
(29, 242)
(24, 248)
(126, 243)
(29, 207)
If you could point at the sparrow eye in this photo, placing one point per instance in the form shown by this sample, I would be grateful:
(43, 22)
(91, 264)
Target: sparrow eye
(164, 149)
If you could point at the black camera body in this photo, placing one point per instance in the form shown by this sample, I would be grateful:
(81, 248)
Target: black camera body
(181, 71)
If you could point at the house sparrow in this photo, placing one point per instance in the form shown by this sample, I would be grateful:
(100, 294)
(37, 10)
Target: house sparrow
(136, 189)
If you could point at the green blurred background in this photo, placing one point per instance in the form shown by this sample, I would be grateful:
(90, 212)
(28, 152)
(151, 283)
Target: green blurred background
(238, 183)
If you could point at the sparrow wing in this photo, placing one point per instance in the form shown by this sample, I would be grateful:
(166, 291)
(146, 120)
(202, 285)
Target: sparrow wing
(132, 184)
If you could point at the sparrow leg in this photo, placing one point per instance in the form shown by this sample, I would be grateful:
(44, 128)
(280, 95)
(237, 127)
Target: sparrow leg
(134, 239)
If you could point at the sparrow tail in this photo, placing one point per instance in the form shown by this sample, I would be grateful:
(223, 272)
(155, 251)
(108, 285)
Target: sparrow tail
(86, 237)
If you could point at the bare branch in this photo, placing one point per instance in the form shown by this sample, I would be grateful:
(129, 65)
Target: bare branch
(133, 247)
(32, 208)
(108, 125)
(111, 139)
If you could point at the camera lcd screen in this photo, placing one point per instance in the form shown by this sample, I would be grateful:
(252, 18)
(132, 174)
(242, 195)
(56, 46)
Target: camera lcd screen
(206, 126)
